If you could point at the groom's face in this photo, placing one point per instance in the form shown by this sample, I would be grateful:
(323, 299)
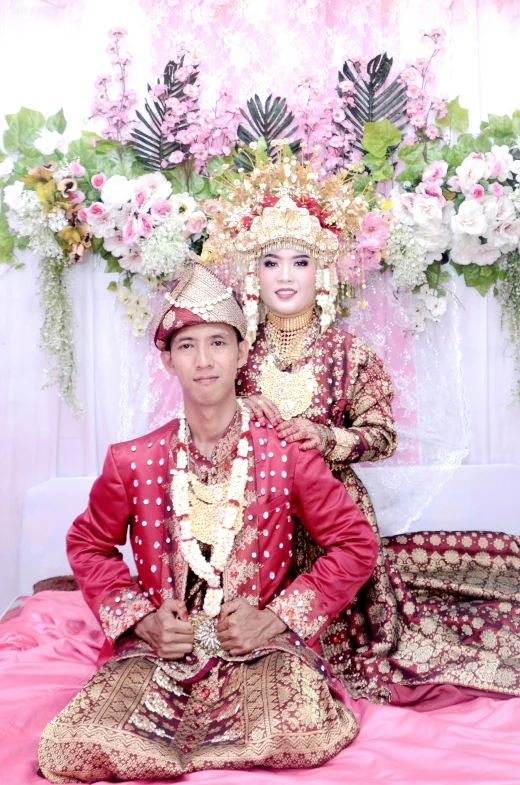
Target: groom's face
(206, 358)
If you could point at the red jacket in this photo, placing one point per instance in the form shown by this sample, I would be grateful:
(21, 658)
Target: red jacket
(129, 498)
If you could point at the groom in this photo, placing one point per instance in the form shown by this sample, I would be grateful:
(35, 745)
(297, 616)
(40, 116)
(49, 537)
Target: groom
(217, 660)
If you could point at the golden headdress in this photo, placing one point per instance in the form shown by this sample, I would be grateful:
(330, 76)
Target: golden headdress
(282, 204)
(198, 296)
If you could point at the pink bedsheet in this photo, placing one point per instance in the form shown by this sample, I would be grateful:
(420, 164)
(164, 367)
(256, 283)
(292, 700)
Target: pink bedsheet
(50, 650)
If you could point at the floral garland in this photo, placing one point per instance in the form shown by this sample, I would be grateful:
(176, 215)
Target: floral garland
(211, 570)
(143, 199)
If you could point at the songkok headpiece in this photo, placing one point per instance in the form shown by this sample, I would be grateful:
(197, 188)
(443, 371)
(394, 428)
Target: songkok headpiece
(282, 204)
(198, 296)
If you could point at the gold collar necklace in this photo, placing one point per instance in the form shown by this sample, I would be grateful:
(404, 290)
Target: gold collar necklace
(291, 323)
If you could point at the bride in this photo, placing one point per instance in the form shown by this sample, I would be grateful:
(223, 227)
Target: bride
(439, 609)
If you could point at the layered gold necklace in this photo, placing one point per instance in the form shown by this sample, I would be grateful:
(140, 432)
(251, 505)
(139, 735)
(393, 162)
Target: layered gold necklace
(291, 391)
(286, 335)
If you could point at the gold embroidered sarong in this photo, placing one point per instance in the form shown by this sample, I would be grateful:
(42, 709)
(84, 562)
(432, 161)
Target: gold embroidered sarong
(133, 721)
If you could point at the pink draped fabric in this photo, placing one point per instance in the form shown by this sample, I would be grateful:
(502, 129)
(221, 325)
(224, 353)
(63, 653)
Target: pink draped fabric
(50, 649)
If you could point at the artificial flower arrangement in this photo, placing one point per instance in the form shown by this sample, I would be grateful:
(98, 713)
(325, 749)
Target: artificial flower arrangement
(142, 192)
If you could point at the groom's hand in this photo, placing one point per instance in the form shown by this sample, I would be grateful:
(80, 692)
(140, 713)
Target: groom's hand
(242, 628)
(168, 630)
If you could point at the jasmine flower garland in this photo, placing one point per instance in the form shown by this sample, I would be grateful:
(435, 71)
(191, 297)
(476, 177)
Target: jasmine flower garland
(211, 570)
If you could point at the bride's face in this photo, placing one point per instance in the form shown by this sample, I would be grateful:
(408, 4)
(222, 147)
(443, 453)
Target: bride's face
(287, 281)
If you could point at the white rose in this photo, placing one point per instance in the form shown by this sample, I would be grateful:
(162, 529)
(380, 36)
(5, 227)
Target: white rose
(448, 211)
(499, 162)
(157, 183)
(467, 249)
(49, 141)
(434, 239)
(402, 205)
(117, 190)
(471, 219)
(426, 209)
(470, 172)
(499, 209)
(13, 195)
(505, 235)
(6, 168)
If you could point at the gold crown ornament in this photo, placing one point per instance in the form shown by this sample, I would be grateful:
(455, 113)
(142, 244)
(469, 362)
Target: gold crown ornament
(282, 204)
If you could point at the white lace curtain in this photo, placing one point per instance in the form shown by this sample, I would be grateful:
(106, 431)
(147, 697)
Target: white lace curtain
(50, 54)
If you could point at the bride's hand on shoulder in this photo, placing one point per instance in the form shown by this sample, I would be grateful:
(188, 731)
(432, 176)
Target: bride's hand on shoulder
(300, 429)
(262, 409)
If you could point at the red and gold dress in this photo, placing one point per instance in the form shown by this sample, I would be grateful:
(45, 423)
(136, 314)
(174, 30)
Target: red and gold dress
(142, 717)
(440, 608)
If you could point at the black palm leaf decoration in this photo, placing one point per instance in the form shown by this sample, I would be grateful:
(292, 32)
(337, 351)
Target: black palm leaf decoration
(373, 101)
(150, 143)
(271, 122)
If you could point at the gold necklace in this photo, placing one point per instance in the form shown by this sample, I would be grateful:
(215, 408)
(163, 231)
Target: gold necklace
(291, 391)
(208, 509)
(286, 335)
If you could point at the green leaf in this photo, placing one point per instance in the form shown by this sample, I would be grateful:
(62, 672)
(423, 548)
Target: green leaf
(56, 122)
(371, 162)
(500, 126)
(87, 156)
(23, 130)
(22, 242)
(481, 278)
(97, 245)
(411, 175)
(437, 276)
(411, 154)
(384, 172)
(516, 122)
(360, 183)
(196, 184)
(378, 137)
(177, 178)
(457, 118)
(112, 286)
(6, 241)
(113, 265)
(205, 192)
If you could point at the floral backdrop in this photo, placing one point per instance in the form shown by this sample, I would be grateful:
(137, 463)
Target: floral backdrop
(142, 191)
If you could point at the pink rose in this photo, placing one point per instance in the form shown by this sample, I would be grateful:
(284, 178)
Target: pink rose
(477, 192)
(140, 195)
(76, 197)
(144, 225)
(454, 184)
(496, 189)
(435, 172)
(431, 189)
(76, 169)
(129, 233)
(96, 209)
(211, 206)
(196, 223)
(98, 181)
(161, 210)
(83, 215)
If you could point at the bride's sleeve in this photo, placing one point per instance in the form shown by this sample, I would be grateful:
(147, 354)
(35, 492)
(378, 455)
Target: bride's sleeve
(368, 432)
